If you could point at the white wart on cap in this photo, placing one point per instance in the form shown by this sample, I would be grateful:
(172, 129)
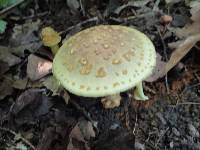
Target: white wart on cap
(104, 60)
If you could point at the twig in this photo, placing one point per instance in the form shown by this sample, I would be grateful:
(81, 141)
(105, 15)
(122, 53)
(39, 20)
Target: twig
(188, 103)
(11, 7)
(166, 58)
(136, 121)
(190, 87)
(19, 137)
(120, 20)
(160, 137)
(79, 24)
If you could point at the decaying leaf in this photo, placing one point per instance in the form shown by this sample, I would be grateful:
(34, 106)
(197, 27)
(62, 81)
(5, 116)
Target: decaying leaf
(196, 16)
(162, 68)
(7, 57)
(20, 84)
(3, 67)
(86, 129)
(73, 5)
(172, 1)
(77, 138)
(23, 37)
(194, 5)
(52, 84)
(30, 105)
(23, 34)
(5, 87)
(158, 71)
(132, 4)
(38, 67)
(188, 30)
(181, 51)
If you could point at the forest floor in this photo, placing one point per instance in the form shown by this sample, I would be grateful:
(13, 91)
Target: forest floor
(35, 115)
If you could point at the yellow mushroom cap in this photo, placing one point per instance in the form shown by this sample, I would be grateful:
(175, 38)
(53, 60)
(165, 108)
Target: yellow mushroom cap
(104, 60)
(50, 37)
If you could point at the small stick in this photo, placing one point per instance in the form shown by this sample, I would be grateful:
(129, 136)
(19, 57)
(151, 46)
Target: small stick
(166, 58)
(19, 136)
(136, 121)
(187, 103)
(79, 24)
(11, 7)
(160, 137)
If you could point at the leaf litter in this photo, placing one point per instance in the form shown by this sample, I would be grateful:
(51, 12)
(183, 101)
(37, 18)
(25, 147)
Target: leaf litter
(51, 116)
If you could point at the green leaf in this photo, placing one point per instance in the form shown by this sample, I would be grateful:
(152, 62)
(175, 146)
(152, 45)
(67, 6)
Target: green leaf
(2, 26)
(6, 3)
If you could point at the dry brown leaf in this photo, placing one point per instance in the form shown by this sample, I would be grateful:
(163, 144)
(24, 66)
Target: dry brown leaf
(188, 30)
(52, 84)
(76, 140)
(86, 129)
(38, 67)
(196, 16)
(23, 37)
(7, 57)
(158, 71)
(20, 84)
(3, 67)
(5, 87)
(83, 130)
(181, 51)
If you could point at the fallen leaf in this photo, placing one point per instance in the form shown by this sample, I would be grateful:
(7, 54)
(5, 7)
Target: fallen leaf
(55, 137)
(3, 25)
(23, 34)
(83, 130)
(5, 87)
(181, 51)
(21, 146)
(162, 68)
(73, 5)
(23, 37)
(131, 4)
(65, 96)
(38, 67)
(172, 1)
(30, 105)
(20, 84)
(158, 71)
(196, 16)
(87, 129)
(3, 67)
(195, 6)
(52, 84)
(19, 50)
(188, 30)
(7, 57)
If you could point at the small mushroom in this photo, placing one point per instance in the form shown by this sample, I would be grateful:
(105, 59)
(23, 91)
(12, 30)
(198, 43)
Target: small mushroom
(99, 63)
(50, 38)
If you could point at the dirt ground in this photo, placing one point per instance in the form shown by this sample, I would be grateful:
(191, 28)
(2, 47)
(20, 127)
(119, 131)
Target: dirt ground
(36, 114)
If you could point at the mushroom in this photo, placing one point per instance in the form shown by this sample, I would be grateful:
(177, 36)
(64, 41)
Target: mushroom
(103, 61)
(50, 38)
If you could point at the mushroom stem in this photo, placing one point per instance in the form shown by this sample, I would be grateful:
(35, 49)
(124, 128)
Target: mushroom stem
(54, 49)
(139, 93)
(111, 101)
